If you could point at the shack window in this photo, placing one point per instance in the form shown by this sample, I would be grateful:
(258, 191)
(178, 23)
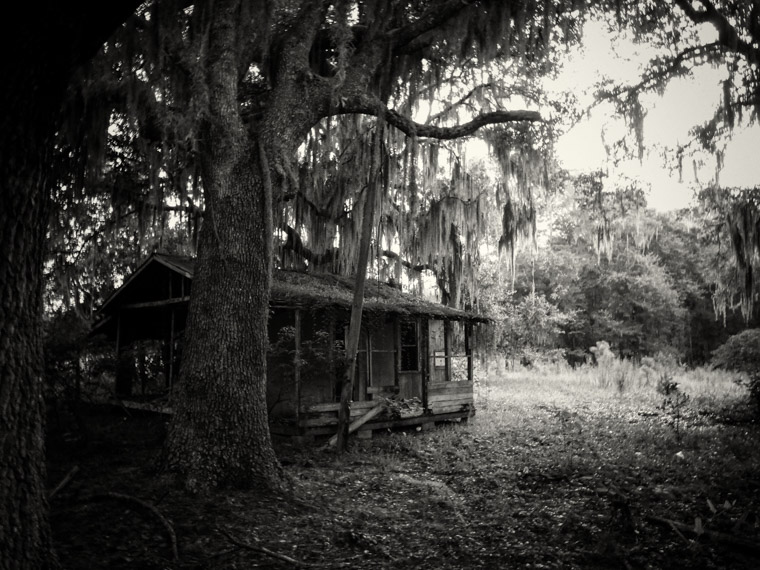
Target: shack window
(410, 361)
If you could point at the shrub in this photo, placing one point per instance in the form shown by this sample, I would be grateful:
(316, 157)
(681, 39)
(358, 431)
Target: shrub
(741, 353)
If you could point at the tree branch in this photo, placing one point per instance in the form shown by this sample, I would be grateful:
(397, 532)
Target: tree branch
(449, 107)
(420, 267)
(727, 34)
(367, 105)
(671, 66)
(433, 18)
(295, 244)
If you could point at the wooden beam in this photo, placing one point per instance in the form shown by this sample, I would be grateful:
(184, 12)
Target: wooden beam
(450, 388)
(468, 350)
(396, 349)
(331, 353)
(118, 335)
(463, 397)
(447, 348)
(393, 423)
(335, 406)
(161, 303)
(171, 352)
(356, 424)
(425, 361)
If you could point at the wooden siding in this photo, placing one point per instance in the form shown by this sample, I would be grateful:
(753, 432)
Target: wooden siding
(326, 414)
(449, 397)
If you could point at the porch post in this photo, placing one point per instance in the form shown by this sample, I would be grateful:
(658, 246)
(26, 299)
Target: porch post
(447, 349)
(170, 379)
(331, 354)
(118, 335)
(426, 360)
(297, 362)
(396, 350)
(123, 376)
(468, 350)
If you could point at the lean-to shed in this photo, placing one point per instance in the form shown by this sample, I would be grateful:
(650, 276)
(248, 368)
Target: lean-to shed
(414, 355)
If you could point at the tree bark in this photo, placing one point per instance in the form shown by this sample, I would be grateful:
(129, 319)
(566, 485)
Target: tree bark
(25, 540)
(47, 41)
(219, 435)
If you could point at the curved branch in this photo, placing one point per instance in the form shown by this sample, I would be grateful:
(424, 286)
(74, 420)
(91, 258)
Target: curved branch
(367, 105)
(295, 244)
(147, 507)
(727, 34)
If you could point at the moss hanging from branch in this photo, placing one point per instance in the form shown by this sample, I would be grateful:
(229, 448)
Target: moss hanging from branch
(737, 215)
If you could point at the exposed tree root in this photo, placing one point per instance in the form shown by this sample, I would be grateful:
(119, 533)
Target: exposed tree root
(146, 506)
(268, 552)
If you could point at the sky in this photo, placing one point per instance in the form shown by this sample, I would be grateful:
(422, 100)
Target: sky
(686, 103)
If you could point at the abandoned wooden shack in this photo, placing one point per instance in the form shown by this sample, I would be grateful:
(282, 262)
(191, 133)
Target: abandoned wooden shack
(415, 356)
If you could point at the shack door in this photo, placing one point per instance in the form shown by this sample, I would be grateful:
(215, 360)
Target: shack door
(410, 372)
(382, 379)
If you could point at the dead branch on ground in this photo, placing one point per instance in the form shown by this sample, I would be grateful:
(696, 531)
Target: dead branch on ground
(146, 506)
(65, 481)
(718, 537)
(264, 550)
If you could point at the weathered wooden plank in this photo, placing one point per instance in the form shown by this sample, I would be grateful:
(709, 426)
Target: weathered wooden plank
(159, 303)
(451, 398)
(319, 421)
(389, 390)
(438, 408)
(396, 423)
(335, 406)
(451, 384)
(450, 388)
(328, 418)
(356, 424)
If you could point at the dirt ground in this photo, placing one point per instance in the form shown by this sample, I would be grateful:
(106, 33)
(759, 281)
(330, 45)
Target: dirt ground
(611, 486)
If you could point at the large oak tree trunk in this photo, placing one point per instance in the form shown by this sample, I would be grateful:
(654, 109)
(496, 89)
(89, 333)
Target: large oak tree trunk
(219, 436)
(47, 41)
(24, 530)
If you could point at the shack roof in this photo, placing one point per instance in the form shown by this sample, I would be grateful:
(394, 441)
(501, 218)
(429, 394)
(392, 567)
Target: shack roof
(290, 289)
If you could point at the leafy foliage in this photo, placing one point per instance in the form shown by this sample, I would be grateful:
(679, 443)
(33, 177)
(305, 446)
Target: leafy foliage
(741, 353)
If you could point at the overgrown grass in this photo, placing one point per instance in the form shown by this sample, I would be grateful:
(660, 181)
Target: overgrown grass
(612, 380)
(580, 467)
(560, 468)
